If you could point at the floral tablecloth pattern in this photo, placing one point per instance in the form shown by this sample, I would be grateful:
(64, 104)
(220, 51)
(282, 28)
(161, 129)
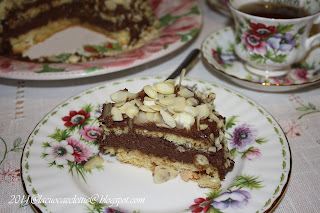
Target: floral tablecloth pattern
(24, 103)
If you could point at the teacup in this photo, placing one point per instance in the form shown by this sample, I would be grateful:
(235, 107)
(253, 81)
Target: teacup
(267, 45)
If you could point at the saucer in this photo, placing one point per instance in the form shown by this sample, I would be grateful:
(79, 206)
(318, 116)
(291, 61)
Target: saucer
(218, 51)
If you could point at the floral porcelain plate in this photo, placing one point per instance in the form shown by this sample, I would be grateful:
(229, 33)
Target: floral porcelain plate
(180, 22)
(54, 178)
(218, 52)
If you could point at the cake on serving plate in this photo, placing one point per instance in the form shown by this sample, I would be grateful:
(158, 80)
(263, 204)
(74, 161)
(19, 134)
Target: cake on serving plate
(169, 129)
(128, 24)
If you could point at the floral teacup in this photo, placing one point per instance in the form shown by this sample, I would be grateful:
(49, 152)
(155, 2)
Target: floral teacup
(268, 46)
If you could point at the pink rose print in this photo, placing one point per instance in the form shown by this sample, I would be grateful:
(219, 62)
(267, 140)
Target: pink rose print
(7, 65)
(254, 43)
(301, 74)
(90, 133)
(80, 151)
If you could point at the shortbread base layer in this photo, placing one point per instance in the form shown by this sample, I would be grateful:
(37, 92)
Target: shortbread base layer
(187, 171)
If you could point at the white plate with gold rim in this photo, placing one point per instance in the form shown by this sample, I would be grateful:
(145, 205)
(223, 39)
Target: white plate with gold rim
(58, 183)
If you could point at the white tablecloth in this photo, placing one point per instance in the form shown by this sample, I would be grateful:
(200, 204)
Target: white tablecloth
(24, 103)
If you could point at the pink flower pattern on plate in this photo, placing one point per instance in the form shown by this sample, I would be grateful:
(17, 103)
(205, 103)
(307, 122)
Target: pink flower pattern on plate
(80, 151)
(90, 133)
(252, 154)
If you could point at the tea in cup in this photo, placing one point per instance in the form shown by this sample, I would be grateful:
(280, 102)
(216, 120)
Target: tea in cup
(271, 35)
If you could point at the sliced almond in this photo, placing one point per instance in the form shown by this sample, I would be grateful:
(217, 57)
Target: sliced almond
(124, 107)
(119, 96)
(132, 95)
(203, 111)
(168, 119)
(212, 149)
(181, 149)
(149, 101)
(171, 110)
(217, 142)
(186, 93)
(184, 120)
(203, 126)
(150, 91)
(141, 118)
(119, 104)
(201, 161)
(191, 110)
(182, 74)
(171, 81)
(146, 108)
(132, 111)
(136, 102)
(192, 101)
(163, 171)
(116, 114)
(93, 163)
(167, 101)
(186, 175)
(150, 116)
(157, 118)
(179, 104)
(106, 110)
(211, 137)
(170, 96)
(161, 176)
(156, 107)
(164, 88)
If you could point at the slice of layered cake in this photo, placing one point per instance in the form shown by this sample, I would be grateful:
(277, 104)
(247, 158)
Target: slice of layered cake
(169, 129)
(128, 24)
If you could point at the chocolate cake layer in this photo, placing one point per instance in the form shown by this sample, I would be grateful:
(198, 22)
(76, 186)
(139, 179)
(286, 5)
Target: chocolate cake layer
(193, 133)
(162, 148)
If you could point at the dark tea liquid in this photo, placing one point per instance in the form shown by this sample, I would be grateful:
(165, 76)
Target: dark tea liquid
(273, 10)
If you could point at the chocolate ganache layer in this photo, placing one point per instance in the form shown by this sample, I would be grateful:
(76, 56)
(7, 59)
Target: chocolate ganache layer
(160, 147)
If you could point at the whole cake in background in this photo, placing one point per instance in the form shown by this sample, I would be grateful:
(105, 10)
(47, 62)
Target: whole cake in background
(129, 24)
(169, 129)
